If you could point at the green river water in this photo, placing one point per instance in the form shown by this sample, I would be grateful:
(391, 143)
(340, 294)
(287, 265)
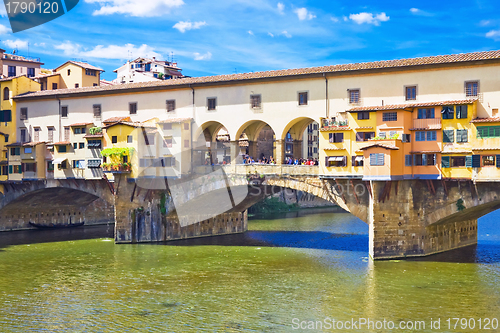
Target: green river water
(311, 268)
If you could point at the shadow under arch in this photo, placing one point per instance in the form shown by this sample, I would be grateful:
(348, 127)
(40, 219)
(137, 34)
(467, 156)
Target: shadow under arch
(259, 143)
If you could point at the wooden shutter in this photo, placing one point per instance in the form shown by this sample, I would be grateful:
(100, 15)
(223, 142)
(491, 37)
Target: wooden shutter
(408, 160)
(498, 161)
(10, 168)
(424, 159)
(449, 136)
(344, 161)
(468, 161)
(445, 161)
(476, 161)
(373, 159)
(353, 160)
(326, 159)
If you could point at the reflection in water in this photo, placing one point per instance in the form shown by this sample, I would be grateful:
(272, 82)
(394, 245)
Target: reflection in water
(307, 267)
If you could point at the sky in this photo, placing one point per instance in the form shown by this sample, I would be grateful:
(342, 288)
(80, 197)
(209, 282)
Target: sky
(225, 37)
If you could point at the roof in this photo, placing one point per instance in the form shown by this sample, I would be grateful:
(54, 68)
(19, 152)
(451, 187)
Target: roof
(399, 64)
(90, 136)
(174, 120)
(14, 144)
(334, 149)
(485, 120)
(116, 119)
(130, 123)
(81, 64)
(32, 144)
(62, 143)
(410, 105)
(42, 75)
(335, 128)
(380, 145)
(12, 77)
(80, 124)
(486, 148)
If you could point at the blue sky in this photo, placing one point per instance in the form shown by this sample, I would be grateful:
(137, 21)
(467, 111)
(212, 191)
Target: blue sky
(224, 37)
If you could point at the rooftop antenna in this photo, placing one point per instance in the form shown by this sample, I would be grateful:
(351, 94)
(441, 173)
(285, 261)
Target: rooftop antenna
(235, 71)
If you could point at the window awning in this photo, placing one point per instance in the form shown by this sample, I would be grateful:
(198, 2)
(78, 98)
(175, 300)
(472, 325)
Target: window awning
(336, 158)
(58, 161)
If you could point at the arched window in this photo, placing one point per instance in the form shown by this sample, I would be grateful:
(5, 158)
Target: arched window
(6, 94)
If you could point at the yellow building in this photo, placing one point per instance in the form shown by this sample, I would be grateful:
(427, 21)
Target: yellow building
(71, 74)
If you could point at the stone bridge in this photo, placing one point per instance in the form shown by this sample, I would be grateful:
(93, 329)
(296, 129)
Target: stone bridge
(406, 218)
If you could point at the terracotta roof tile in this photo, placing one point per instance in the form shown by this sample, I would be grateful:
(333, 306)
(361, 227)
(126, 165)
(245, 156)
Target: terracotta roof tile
(90, 136)
(12, 77)
(486, 148)
(80, 124)
(130, 123)
(116, 119)
(334, 149)
(82, 64)
(410, 105)
(335, 128)
(62, 143)
(486, 120)
(174, 120)
(398, 63)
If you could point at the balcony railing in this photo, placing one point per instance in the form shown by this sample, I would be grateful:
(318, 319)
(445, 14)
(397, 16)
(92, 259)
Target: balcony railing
(432, 123)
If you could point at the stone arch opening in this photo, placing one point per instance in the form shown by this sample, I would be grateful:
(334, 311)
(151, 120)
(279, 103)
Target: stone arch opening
(257, 140)
(300, 140)
(212, 145)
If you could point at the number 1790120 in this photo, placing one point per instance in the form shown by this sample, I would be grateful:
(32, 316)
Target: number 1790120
(14, 7)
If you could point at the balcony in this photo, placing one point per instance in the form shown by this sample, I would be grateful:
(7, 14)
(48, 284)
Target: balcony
(427, 124)
(117, 167)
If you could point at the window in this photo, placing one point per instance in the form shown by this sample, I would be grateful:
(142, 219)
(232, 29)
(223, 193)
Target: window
(255, 101)
(471, 88)
(63, 149)
(462, 136)
(411, 93)
(353, 96)
(15, 151)
(54, 86)
(77, 85)
(64, 111)
(67, 130)
(50, 130)
(363, 115)
(94, 85)
(449, 136)
(63, 165)
(448, 112)
(489, 160)
(211, 103)
(132, 107)
(75, 146)
(31, 72)
(24, 113)
(37, 134)
(336, 161)
(426, 113)
(461, 111)
(485, 132)
(302, 98)
(24, 137)
(390, 116)
(424, 159)
(431, 136)
(81, 145)
(167, 142)
(170, 105)
(94, 164)
(377, 159)
(186, 143)
(167, 126)
(6, 137)
(357, 161)
(92, 144)
(457, 161)
(406, 138)
(186, 126)
(114, 139)
(6, 94)
(12, 71)
(149, 139)
(336, 137)
(79, 130)
(408, 160)
(5, 116)
(69, 72)
(97, 110)
(78, 164)
(29, 167)
(28, 150)
(364, 136)
(129, 139)
(5, 170)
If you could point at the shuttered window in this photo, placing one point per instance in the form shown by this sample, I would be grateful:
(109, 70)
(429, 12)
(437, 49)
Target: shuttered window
(419, 136)
(462, 135)
(449, 136)
(468, 161)
(445, 161)
(377, 159)
(408, 160)
(476, 161)
(336, 137)
(461, 111)
(484, 132)
(498, 161)
(431, 136)
(448, 112)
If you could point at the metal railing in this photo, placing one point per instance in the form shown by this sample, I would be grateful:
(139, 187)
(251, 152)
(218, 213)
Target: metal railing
(432, 123)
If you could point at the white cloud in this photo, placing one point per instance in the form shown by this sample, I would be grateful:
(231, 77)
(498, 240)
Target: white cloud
(183, 26)
(286, 34)
(420, 12)
(369, 18)
(40, 44)
(414, 10)
(281, 8)
(16, 44)
(270, 34)
(3, 12)
(250, 32)
(304, 14)
(484, 23)
(206, 56)
(109, 51)
(494, 34)
(345, 18)
(334, 19)
(4, 30)
(139, 8)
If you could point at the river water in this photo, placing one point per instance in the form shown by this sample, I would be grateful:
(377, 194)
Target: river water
(284, 272)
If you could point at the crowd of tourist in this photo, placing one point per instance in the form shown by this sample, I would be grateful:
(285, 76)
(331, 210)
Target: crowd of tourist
(288, 161)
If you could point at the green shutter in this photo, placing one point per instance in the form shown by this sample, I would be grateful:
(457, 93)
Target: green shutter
(476, 161)
(468, 161)
(10, 169)
(445, 161)
(449, 136)
(498, 161)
